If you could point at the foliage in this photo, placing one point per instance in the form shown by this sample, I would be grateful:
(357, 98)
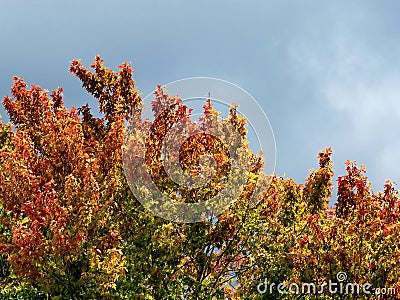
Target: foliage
(72, 229)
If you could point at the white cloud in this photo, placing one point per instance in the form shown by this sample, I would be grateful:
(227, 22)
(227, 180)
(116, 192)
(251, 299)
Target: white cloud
(358, 83)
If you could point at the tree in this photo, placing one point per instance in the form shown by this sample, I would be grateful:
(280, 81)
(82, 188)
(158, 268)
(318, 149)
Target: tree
(60, 177)
(71, 228)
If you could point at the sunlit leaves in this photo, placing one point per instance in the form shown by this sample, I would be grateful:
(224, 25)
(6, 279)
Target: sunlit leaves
(71, 228)
(60, 179)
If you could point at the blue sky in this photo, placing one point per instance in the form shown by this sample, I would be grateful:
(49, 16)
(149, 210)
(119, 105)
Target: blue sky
(325, 73)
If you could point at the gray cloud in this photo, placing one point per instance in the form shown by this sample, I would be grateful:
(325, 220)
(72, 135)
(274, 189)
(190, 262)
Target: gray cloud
(358, 80)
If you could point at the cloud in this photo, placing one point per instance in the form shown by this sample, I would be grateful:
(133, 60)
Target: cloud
(360, 85)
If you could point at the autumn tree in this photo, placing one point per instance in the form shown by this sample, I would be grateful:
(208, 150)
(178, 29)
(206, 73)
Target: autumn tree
(71, 227)
(60, 178)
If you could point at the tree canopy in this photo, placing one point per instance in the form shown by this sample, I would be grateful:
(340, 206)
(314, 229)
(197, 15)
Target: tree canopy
(71, 228)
